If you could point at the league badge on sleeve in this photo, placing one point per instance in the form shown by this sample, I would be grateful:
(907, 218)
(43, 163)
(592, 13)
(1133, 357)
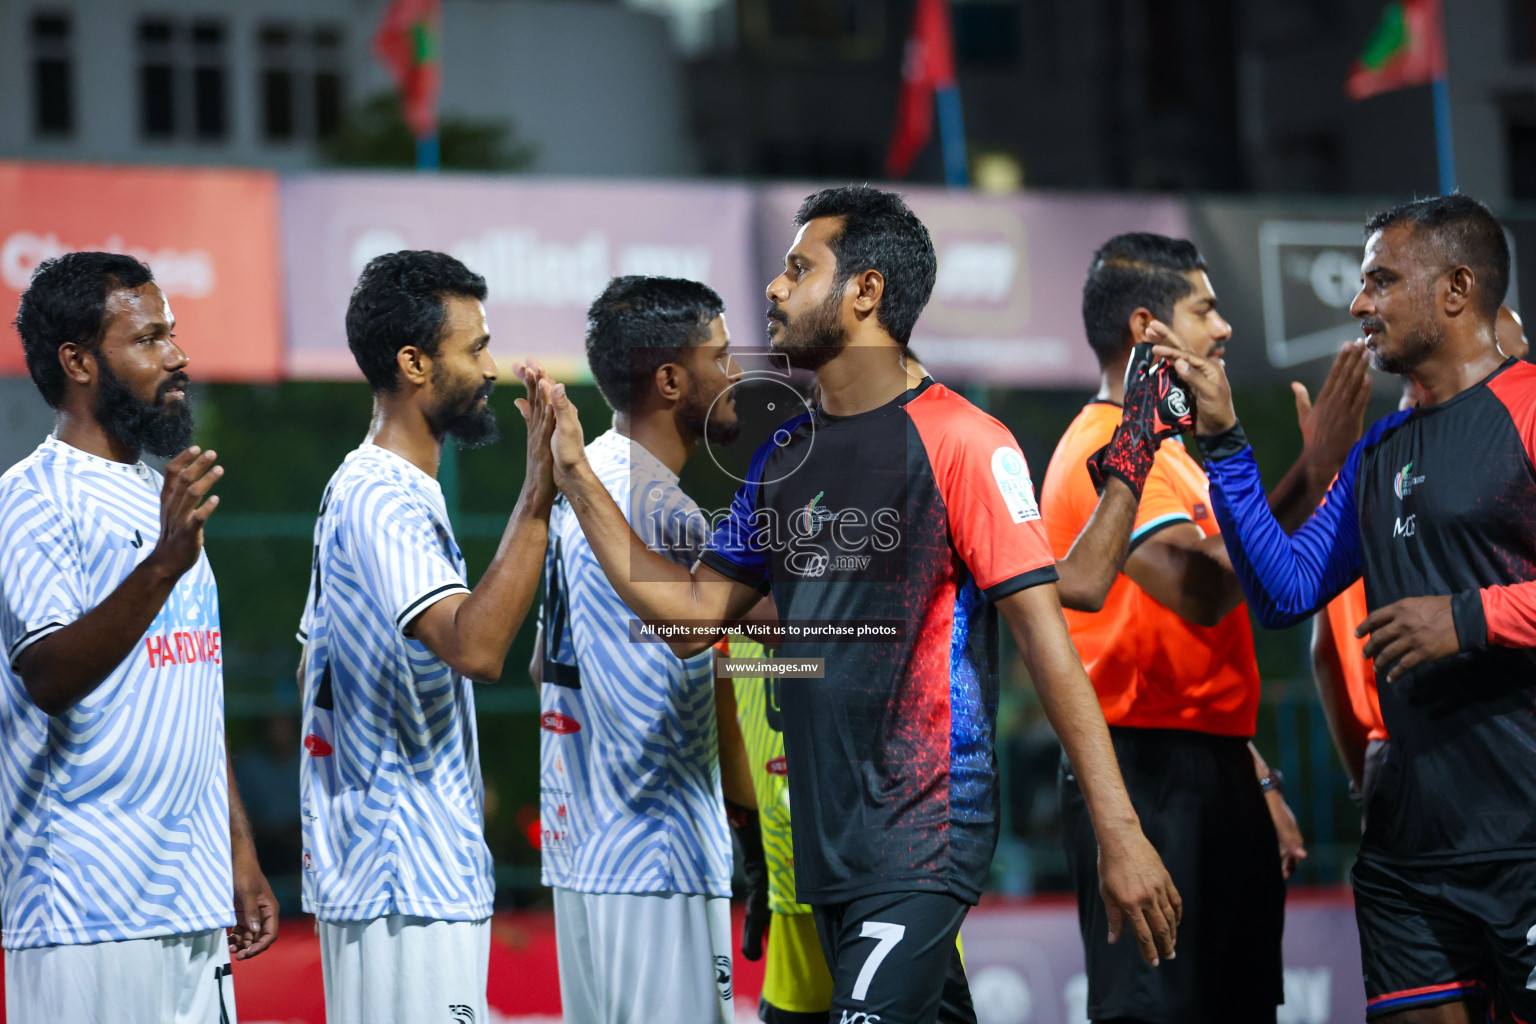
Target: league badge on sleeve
(1012, 477)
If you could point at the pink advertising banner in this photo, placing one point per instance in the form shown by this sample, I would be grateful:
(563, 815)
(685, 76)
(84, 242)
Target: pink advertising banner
(1006, 308)
(546, 249)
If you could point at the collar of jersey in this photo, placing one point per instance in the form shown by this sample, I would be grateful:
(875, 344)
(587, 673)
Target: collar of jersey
(824, 418)
(70, 451)
(636, 450)
(1454, 399)
(395, 459)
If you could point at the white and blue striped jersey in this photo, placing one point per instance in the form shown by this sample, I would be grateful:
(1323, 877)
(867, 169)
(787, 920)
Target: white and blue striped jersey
(116, 812)
(629, 774)
(394, 809)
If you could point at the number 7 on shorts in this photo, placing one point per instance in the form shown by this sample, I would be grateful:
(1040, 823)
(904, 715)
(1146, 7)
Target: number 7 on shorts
(887, 935)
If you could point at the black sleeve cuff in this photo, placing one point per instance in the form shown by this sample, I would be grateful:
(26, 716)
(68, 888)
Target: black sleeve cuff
(1045, 574)
(1471, 624)
(737, 574)
(1223, 445)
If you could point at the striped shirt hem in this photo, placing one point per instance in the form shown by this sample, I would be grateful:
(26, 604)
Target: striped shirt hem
(33, 636)
(425, 601)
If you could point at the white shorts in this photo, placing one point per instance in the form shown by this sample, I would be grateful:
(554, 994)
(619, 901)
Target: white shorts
(405, 970)
(175, 979)
(657, 958)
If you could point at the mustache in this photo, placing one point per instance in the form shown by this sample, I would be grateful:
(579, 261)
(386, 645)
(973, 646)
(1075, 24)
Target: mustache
(1373, 324)
(484, 391)
(775, 313)
(177, 381)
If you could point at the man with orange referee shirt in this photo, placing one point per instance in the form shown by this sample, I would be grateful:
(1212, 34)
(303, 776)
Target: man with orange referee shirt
(1168, 646)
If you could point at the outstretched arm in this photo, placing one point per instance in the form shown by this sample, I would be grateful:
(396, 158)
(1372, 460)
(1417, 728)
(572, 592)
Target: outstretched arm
(1135, 885)
(1190, 573)
(655, 588)
(1286, 577)
(473, 632)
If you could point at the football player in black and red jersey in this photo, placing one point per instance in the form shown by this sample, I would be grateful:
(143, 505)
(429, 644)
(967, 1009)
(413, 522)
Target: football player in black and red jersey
(894, 501)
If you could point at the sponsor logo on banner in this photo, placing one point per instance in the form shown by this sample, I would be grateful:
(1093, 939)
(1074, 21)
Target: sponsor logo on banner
(209, 235)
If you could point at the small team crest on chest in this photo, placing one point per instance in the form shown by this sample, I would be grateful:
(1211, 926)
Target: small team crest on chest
(1405, 481)
(1013, 482)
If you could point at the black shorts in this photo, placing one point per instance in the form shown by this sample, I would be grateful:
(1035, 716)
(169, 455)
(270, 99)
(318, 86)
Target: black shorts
(893, 959)
(1447, 932)
(1201, 808)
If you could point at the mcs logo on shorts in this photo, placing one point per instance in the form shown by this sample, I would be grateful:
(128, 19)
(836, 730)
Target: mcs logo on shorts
(859, 1017)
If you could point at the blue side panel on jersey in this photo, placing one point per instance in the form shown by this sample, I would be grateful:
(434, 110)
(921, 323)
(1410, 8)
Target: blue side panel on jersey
(971, 773)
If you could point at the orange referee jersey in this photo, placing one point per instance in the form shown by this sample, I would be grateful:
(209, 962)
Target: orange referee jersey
(1151, 669)
(1345, 613)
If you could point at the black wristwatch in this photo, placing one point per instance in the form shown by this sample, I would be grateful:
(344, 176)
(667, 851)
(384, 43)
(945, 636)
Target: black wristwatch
(1274, 782)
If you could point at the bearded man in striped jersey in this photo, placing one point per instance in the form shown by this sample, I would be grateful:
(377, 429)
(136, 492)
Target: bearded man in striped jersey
(396, 867)
(125, 853)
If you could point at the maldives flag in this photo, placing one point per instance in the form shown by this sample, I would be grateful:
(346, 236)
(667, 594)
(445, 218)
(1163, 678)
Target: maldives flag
(1407, 49)
(407, 43)
(929, 67)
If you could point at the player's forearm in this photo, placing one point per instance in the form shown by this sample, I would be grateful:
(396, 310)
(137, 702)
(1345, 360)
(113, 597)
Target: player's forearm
(1297, 494)
(1196, 582)
(1285, 577)
(1350, 739)
(1071, 706)
(1098, 554)
(735, 766)
(655, 588)
(241, 842)
(489, 618)
(66, 666)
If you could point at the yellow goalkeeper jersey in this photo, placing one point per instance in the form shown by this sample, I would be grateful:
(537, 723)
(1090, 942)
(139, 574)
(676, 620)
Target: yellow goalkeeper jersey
(757, 710)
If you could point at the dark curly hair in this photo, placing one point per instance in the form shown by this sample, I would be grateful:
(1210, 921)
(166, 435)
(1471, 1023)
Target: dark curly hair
(879, 233)
(66, 302)
(640, 324)
(398, 301)
(1134, 271)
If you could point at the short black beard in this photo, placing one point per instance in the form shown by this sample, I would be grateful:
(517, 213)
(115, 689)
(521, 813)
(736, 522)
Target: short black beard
(1417, 346)
(161, 428)
(466, 421)
(692, 417)
(819, 340)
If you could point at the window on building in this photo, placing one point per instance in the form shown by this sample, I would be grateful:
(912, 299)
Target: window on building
(53, 101)
(302, 84)
(852, 29)
(183, 79)
(210, 90)
(157, 78)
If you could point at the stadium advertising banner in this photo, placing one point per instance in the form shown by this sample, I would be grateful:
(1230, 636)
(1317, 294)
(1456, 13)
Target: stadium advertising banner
(1006, 308)
(545, 248)
(210, 236)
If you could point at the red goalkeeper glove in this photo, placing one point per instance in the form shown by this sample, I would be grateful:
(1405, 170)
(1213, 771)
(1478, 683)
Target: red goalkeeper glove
(1158, 405)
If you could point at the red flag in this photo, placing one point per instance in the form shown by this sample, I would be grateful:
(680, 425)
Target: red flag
(407, 43)
(1406, 49)
(928, 67)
